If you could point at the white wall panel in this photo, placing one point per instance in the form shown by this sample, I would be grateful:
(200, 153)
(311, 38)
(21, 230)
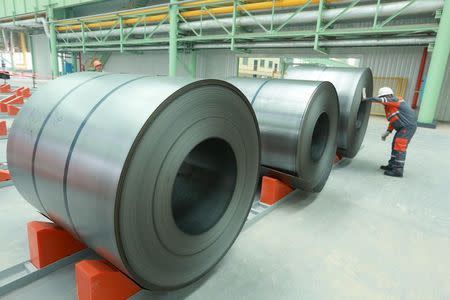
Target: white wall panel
(41, 47)
(152, 63)
(216, 64)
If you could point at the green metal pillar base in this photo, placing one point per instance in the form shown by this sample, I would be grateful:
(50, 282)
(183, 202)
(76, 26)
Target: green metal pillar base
(33, 54)
(53, 48)
(436, 71)
(431, 125)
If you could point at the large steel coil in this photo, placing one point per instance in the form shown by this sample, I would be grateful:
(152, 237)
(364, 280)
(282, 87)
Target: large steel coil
(349, 83)
(155, 174)
(298, 121)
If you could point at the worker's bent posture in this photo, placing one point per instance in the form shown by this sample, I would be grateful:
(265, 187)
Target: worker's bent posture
(401, 118)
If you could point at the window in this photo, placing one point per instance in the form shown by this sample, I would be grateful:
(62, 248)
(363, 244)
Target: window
(261, 66)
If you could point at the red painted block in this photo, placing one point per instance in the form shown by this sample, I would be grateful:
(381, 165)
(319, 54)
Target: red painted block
(273, 190)
(18, 91)
(49, 243)
(4, 175)
(3, 129)
(15, 100)
(99, 280)
(5, 88)
(26, 92)
(10, 97)
(13, 110)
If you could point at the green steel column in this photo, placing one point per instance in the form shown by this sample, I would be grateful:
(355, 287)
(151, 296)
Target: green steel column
(436, 71)
(33, 54)
(53, 49)
(173, 35)
(193, 68)
(74, 62)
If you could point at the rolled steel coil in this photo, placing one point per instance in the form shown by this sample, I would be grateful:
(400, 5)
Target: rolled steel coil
(298, 121)
(349, 83)
(156, 174)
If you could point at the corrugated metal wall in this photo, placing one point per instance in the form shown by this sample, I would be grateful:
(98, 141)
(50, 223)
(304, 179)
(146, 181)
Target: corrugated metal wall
(153, 63)
(217, 64)
(384, 62)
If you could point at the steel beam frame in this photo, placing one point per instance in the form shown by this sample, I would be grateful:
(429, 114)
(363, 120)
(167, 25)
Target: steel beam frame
(229, 34)
(173, 37)
(53, 42)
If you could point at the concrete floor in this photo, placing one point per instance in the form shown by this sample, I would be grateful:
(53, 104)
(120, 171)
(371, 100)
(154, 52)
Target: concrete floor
(364, 236)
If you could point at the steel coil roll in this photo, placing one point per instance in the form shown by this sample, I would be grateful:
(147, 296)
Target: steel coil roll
(155, 174)
(298, 121)
(349, 83)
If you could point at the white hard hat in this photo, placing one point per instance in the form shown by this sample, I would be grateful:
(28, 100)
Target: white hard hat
(97, 63)
(385, 91)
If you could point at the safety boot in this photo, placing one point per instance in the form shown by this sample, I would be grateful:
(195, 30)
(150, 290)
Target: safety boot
(394, 172)
(386, 167)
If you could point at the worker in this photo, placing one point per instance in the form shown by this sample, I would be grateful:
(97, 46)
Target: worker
(98, 65)
(402, 118)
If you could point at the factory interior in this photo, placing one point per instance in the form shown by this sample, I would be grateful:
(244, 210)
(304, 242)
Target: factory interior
(224, 149)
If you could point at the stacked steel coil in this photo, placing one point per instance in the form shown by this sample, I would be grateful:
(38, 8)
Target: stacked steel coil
(298, 121)
(349, 84)
(155, 174)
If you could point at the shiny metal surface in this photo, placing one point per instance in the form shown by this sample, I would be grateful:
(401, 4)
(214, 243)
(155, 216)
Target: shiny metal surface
(155, 174)
(298, 121)
(349, 83)
(422, 40)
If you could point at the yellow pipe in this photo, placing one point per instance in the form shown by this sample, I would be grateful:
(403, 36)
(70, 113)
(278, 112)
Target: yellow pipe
(138, 11)
(196, 13)
(23, 48)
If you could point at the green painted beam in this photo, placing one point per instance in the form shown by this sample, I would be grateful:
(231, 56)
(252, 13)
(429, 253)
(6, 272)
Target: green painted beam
(53, 44)
(74, 62)
(436, 71)
(262, 35)
(173, 36)
(318, 26)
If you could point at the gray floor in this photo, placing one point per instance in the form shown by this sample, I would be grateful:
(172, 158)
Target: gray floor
(364, 236)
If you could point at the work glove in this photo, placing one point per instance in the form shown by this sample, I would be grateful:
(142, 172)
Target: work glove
(385, 135)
